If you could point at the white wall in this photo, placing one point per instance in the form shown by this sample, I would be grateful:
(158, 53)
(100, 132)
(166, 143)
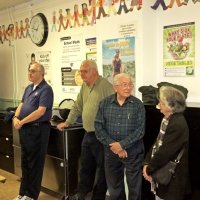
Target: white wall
(149, 23)
(106, 28)
(189, 13)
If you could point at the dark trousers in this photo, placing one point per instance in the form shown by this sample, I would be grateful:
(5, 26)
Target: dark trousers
(158, 2)
(92, 173)
(101, 11)
(115, 168)
(34, 141)
(122, 7)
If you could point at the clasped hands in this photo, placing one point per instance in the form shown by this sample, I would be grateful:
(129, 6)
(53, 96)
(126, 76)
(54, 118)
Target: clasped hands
(116, 148)
(17, 123)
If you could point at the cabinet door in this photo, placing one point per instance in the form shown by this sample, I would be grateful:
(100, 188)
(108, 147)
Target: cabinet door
(7, 163)
(74, 137)
(56, 144)
(6, 129)
(54, 175)
(6, 145)
(192, 116)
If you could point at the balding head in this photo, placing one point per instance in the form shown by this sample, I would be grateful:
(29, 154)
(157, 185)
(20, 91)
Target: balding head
(36, 73)
(89, 72)
(91, 64)
(39, 67)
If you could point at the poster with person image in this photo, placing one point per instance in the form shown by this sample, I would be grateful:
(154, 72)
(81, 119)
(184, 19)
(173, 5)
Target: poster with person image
(118, 56)
(44, 58)
(179, 50)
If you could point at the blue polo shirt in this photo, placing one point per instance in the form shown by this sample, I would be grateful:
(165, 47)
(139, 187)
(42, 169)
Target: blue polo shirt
(41, 96)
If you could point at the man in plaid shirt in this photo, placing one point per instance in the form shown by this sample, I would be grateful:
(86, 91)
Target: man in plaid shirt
(119, 125)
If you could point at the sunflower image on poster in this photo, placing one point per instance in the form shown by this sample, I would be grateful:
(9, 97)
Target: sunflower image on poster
(179, 49)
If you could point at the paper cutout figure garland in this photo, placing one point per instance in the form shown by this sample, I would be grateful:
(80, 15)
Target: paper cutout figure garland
(92, 11)
(122, 5)
(101, 9)
(186, 2)
(137, 3)
(85, 14)
(159, 2)
(111, 7)
(76, 16)
(54, 20)
(68, 19)
(172, 3)
(26, 28)
(61, 20)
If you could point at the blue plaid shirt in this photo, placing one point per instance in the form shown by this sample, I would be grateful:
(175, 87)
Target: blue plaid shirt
(124, 124)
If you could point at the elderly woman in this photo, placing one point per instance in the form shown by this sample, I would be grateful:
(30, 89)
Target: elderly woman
(173, 136)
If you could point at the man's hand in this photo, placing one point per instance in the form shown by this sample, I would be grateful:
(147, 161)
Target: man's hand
(115, 147)
(17, 123)
(62, 125)
(123, 154)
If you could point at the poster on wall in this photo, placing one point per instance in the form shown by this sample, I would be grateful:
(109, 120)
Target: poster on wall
(44, 58)
(91, 49)
(128, 29)
(179, 50)
(71, 51)
(118, 56)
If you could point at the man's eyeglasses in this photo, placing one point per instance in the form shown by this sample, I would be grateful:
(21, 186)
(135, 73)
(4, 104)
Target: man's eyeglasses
(32, 71)
(83, 71)
(126, 85)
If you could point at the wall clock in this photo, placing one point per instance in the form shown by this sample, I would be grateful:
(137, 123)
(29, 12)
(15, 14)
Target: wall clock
(39, 29)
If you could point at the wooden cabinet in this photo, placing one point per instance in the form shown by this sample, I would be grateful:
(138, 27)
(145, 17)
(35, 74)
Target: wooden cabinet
(6, 145)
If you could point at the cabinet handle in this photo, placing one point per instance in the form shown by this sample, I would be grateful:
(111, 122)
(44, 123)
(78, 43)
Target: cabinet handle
(61, 164)
(7, 156)
(7, 139)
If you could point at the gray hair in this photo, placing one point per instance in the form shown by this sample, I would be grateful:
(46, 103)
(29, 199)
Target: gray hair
(173, 98)
(42, 69)
(40, 66)
(91, 63)
(117, 78)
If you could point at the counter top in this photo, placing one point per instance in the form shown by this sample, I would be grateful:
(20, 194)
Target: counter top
(76, 125)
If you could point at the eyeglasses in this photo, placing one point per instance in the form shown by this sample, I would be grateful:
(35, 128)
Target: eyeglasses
(126, 85)
(83, 71)
(32, 71)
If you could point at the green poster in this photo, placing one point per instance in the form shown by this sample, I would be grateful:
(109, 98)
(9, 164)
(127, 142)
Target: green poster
(179, 49)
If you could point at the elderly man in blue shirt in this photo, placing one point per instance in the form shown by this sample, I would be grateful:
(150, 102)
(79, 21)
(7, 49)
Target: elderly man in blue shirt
(32, 120)
(119, 125)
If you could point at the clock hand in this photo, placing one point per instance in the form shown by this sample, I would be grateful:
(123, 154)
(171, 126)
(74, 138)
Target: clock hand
(34, 29)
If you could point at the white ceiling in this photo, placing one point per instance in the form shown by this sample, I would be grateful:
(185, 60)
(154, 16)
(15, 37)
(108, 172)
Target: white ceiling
(4, 4)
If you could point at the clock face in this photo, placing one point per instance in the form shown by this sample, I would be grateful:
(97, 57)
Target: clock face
(39, 29)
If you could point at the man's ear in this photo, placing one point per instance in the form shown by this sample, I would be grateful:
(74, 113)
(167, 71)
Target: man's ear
(115, 88)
